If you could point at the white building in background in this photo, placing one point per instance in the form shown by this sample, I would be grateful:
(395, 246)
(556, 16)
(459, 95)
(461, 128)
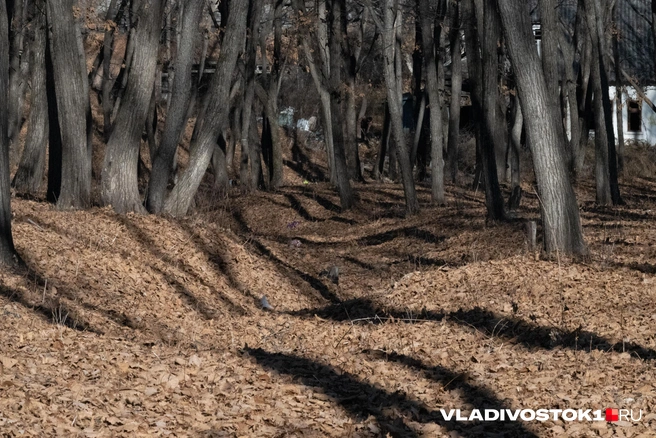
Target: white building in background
(638, 119)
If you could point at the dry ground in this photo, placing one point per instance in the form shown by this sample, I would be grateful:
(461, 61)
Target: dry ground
(146, 326)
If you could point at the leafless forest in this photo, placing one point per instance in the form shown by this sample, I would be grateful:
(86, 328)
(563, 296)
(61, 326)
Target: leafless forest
(326, 217)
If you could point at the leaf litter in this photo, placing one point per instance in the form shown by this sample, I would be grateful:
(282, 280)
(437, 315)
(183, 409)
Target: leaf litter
(148, 326)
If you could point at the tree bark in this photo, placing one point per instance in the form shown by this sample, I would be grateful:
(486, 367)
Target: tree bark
(560, 214)
(71, 89)
(179, 97)
(119, 187)
(29, 176)
(436, 129)
(108, 48)
(336, 42)
(394, 82)
(456, 90)
(8, 255)
(16, 76)
(215, 113)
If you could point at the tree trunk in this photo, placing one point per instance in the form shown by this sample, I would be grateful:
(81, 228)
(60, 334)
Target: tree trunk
(560, 214)
(108, 49)
(430, 59)
(119, 186)
(71, 89)
(394, 81)
(29, 176)
(179, 97)
(618, 98)
(336, 43)
(215, 113)
(486, 104)
(16, 77)
(8, 254)
(456, 89)
(514, 150)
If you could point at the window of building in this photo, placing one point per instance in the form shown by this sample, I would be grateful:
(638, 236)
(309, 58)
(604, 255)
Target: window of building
(635, 116)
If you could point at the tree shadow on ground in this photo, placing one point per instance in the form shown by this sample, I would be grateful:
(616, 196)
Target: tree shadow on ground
(509, 328)
(361, 399)
(284, 267)
(51, 309)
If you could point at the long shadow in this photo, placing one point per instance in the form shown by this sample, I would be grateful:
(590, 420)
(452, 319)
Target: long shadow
(298, 207)
(148, 244)
(51, 309)
(361, 399)
(314, 172)
(387, 236)
(480, 397)
(512, 329)
(314, 282)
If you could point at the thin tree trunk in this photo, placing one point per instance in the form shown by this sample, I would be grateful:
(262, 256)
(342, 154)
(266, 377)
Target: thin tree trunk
(336, 43)
(16, 77)
(215, 113)
(179, 97)
(393, 79)
(618, 99)
(71, 89)
(430, 48)
(119, 186)
(108, 49)
(29, 176)
(456, 89)
(384, 144)
(560, 214)
(514, 150)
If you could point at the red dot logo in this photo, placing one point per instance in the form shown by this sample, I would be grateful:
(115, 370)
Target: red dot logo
(612, 415)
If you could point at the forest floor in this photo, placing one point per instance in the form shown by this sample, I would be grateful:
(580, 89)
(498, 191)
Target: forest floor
(147, 326)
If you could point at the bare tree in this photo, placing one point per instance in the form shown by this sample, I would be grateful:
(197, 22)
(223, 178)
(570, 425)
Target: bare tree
(119, 186)
(29, 176)
(72, 96)
(180, 96)
(215, 113)
(560, 214)
(392, 70)
(8, 255)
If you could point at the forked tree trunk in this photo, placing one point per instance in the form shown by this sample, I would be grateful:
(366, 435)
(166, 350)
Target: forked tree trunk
(215, 113)
(71, 89)
(8, 254)
(29, 176)
(119, 186)
(179, 97)
(560, 214)
(107, 82)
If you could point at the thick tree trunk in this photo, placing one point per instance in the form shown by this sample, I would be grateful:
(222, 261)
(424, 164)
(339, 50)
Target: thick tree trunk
(338, 99)
(179, 97)
(8, 254)
(119, 186)
(432, 85)
(72, 97)
(29, 176)
(560, 214)
(456, 89)
(215, 114)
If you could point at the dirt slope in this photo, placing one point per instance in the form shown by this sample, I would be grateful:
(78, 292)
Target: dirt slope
(145, 326)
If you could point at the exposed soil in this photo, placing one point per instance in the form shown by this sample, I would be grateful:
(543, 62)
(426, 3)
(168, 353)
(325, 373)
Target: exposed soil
(147, 326)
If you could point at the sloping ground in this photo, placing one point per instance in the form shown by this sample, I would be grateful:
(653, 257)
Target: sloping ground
(145, 326)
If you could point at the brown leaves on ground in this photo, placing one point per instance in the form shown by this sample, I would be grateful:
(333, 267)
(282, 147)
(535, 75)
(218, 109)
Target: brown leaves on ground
(145, 326)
